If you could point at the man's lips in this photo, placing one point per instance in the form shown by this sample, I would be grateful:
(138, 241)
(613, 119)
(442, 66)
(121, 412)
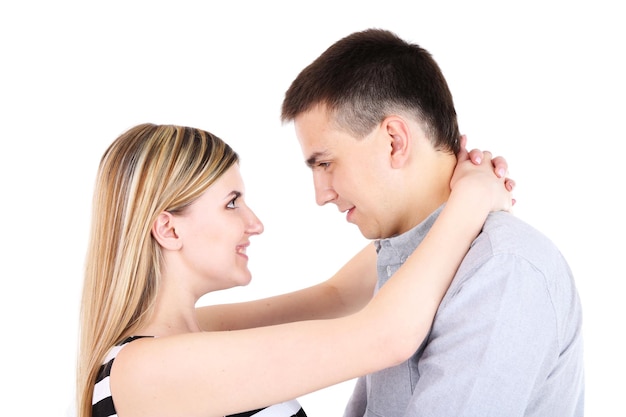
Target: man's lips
(349, 214)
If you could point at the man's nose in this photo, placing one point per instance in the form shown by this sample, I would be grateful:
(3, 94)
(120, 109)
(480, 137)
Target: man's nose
(324, 192)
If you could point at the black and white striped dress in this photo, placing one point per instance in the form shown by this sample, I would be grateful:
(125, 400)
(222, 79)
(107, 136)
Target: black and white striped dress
(102, 402)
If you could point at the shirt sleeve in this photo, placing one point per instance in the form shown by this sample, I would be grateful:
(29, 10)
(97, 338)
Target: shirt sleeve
(358, 401)
(493, 333)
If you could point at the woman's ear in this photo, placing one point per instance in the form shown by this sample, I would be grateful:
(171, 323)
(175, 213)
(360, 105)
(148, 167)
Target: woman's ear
(164, 232)
(399, 135)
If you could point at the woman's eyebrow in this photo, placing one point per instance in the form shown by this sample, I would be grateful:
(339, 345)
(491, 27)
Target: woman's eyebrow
(233, 194)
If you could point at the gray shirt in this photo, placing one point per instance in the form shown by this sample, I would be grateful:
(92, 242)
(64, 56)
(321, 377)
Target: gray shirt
(506, 339)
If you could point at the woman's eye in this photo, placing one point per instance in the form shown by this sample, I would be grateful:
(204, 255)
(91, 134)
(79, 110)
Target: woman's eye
(232, 204)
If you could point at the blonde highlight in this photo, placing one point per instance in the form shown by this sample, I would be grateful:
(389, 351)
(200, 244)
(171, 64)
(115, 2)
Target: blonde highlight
(145, 171)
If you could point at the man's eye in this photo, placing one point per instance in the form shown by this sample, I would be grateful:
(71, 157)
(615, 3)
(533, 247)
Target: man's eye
(324, 164)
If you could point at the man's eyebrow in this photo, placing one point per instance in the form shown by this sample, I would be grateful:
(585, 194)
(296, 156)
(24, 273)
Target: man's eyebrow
(316, 156)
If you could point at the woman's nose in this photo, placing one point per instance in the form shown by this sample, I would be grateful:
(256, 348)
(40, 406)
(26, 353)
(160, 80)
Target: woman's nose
(255, 226)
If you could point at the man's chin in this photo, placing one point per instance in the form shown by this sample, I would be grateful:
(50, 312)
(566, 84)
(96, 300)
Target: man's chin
(368, 234)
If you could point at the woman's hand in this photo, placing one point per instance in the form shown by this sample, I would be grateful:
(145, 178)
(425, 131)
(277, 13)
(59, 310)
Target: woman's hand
(480, 172)
(500, 166)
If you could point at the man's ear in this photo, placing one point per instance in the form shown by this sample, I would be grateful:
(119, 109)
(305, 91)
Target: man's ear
(164, 232)
(399, 135)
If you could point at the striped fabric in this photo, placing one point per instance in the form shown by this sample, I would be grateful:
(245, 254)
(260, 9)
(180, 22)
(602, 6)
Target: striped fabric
(102, 401)
(289, 409)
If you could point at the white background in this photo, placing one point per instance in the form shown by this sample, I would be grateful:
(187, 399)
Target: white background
(540, 82)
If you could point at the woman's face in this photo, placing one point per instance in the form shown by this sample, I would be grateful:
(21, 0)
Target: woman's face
(215, 232)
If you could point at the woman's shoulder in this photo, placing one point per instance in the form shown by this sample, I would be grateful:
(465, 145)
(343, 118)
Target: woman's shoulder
(102, 399)
(107, 363)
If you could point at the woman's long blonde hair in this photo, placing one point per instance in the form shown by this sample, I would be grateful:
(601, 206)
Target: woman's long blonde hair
(147, 170)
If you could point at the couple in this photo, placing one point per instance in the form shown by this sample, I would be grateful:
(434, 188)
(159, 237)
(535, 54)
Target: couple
(482, 319)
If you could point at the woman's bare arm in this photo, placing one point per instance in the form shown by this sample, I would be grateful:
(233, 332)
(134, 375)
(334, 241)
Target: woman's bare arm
(346, 292)
(218, 373)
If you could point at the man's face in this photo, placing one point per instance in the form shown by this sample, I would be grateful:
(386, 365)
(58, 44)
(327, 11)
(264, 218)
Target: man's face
(351, 173)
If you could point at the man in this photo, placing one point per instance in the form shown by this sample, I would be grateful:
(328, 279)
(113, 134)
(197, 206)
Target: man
(377, 125)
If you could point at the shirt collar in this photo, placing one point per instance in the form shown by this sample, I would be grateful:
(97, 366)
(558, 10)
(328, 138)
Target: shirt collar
(397, 249)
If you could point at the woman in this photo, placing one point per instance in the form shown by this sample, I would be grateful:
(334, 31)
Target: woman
(170, 224)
